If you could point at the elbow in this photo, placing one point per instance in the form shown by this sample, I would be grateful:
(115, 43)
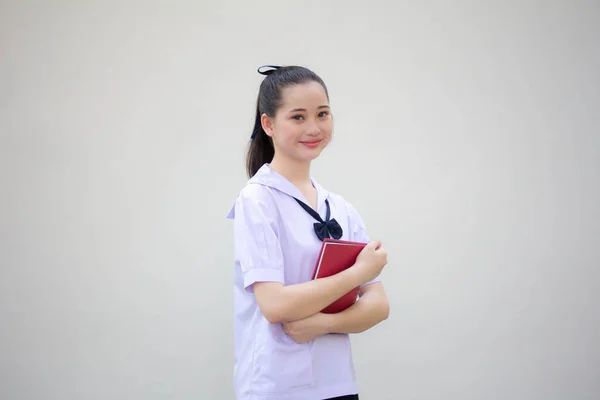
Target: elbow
(270, 301)
(274, 310)
(274, 315)
(384, 310)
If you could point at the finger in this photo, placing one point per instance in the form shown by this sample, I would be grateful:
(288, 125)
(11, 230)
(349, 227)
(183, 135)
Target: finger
(375, 244)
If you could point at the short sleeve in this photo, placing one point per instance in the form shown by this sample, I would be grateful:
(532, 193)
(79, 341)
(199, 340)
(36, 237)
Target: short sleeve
(256, 240)
(359, 233)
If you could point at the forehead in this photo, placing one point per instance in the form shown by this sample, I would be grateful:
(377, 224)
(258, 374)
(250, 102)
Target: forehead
(304, 95)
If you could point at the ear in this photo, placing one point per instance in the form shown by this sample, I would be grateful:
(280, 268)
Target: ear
(267, 125)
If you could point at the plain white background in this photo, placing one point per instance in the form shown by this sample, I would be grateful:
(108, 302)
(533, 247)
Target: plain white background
(466, 134)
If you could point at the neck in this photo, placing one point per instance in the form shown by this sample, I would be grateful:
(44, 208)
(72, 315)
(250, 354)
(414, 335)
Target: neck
(296, 172)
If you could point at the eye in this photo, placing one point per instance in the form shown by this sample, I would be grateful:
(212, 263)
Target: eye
(323, 114)
(297, 117)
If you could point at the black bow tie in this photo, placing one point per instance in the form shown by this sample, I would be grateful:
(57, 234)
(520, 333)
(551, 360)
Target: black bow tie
(324, 229)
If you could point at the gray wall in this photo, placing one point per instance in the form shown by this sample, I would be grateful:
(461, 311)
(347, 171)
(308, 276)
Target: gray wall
(466, 135)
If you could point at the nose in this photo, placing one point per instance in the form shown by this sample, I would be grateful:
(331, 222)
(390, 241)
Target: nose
(313, 129)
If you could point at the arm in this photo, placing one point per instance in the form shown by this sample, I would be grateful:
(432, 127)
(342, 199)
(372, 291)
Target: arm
(371, 308)
(279, 303)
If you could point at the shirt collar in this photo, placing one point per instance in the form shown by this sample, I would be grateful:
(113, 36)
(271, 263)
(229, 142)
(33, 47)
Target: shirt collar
(266, 176)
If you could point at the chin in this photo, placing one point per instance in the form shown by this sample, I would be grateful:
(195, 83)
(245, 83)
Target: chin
(308, 157)
(314, 153)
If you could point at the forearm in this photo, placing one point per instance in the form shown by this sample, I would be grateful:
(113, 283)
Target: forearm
(294, 302)
(370, 309)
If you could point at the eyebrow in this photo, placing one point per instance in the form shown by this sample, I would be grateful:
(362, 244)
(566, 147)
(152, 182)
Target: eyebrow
(304, 110)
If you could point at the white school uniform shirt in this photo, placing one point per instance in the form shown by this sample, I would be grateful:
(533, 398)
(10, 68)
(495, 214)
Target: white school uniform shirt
(275, 241)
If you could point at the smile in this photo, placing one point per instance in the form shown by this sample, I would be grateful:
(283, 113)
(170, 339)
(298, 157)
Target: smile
(314, 143)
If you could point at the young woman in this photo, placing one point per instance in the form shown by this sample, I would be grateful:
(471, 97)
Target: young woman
(285, 348)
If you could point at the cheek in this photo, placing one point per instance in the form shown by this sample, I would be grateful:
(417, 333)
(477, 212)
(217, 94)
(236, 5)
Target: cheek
(295, 133)
(287, 134)
(327, 129)
(282, 129)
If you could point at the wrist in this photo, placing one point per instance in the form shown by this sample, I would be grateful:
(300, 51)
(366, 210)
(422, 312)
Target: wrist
(355, 276)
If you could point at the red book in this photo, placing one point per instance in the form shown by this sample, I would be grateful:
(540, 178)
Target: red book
(336, 256)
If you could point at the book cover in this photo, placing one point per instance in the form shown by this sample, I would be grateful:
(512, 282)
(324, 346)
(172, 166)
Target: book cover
(334, 257)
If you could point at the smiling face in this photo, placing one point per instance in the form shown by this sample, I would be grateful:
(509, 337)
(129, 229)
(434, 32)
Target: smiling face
(302, 126)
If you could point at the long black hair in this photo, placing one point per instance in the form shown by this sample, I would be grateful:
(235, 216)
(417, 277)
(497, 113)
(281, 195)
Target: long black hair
(261, 150)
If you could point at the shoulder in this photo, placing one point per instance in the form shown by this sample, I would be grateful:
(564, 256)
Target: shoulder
(347, 212)
(253, 197)
(341, 203)
(255, 193)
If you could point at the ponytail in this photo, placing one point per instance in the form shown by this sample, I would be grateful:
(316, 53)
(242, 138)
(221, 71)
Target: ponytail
(261, 150)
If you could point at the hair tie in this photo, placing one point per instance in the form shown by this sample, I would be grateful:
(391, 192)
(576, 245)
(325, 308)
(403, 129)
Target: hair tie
(272, 69)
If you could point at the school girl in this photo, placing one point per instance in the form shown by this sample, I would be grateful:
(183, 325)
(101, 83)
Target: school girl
(285, 348)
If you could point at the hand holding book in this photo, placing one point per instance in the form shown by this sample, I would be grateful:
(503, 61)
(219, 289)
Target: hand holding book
(370, 261)
(366, 260)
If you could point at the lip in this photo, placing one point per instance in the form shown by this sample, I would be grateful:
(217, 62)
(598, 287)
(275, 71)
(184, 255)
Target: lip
(312, 143)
